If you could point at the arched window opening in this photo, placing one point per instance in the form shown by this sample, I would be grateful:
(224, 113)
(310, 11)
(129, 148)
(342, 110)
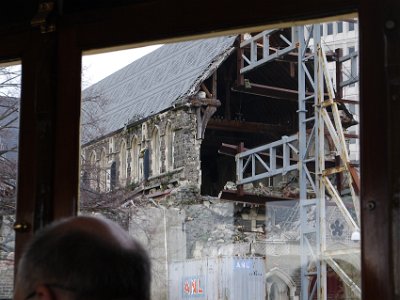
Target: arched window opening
(278, 290)
(155, 152)
(135, 160)
(113, 175)
(104, 185)
(145, 164)
(93, 172)
(280, 286)
(122, 164)
(169, 148)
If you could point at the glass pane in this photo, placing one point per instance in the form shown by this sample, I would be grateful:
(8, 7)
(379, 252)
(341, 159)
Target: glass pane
(330, 28)
(10, 84)
(351, 26)
(339, 27)
(236, 166)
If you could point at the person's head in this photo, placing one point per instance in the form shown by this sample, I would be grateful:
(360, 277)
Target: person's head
(83, 258)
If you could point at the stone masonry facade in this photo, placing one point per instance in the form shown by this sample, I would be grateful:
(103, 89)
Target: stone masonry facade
(177, 127)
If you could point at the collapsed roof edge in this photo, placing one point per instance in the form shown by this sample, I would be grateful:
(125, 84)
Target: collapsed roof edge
(214, 65)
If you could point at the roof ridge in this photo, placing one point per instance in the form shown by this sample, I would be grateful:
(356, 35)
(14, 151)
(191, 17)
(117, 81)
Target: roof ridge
(140, 60)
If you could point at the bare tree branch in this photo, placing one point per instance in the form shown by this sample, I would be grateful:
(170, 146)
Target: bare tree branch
(9, 118)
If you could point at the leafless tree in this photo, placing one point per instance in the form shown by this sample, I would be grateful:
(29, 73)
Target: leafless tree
(9, 121)
(10, 85)
(93, 107)
(10, 81)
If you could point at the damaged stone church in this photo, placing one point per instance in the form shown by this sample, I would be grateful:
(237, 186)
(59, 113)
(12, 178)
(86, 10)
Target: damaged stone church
(160, 155)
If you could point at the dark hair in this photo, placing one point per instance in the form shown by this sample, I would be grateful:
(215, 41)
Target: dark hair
(88, 265)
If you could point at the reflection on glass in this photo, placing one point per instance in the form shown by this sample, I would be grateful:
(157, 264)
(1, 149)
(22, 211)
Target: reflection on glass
(339, 27)
(234, 160)
(10, 82)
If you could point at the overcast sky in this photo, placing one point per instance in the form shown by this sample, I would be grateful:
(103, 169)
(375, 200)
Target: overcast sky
(99, 66)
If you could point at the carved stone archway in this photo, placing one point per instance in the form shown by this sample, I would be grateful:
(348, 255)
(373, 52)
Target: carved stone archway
(280, 286)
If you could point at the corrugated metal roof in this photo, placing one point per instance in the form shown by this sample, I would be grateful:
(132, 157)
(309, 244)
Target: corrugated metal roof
(157, 81)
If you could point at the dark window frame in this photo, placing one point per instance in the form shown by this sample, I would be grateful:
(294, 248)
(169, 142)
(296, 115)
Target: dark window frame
(51, 82)
(351, 26)
(329, 28)
(339, 27)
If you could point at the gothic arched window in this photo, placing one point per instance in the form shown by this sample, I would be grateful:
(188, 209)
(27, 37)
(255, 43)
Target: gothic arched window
(93, 172)
(169, 148)
(104, 173)
(122, 164)
(155, 152)
(135, 151)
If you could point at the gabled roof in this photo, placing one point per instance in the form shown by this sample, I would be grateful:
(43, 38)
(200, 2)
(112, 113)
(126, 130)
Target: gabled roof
(157, 81)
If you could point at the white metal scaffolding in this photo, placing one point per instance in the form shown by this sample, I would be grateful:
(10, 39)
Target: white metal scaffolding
(315, 180)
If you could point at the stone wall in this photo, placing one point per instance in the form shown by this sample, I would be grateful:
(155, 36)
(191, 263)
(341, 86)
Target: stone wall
(173, 232)
(6, 280)
(185, 173)
(160, 231)
(7, 240)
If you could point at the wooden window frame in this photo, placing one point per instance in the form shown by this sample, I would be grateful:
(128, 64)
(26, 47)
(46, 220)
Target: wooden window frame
(49, 128)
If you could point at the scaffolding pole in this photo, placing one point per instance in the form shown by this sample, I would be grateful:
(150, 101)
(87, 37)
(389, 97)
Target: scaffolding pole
(314, 128)
(312, 211)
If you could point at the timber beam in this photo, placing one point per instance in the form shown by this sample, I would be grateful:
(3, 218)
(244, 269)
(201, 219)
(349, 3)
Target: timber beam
(205, 109)
(269, 91)
(245, 197)
(247, 127)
